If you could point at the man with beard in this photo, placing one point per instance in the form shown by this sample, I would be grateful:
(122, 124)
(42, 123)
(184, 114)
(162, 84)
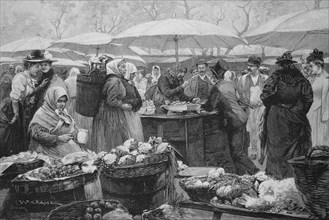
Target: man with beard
(169, 90)
(199, 85)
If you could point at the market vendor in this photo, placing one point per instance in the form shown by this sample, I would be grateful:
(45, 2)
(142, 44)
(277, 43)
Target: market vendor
(236, 118)
(116, 120)
(52, 129)
(168, 90)
(199, 85)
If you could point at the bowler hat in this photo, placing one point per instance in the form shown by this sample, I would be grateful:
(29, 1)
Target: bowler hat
(201, 61)
(255, 60)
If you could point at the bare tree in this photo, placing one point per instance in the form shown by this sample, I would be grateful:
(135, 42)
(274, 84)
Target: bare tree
(246, 11)
(220, 16)
(63, 16)
(152, 10)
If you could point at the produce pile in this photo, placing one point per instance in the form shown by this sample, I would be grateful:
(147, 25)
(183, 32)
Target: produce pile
(57, 171)
(21, 157)
(258, 192)
(133, 152)
(105, 210)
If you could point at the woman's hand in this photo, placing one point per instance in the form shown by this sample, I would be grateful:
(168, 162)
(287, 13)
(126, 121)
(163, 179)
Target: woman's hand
(126, 107)
(65, 137)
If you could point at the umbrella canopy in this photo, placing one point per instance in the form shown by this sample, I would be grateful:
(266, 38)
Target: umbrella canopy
(303, 30)
(24, 46)
(94, 43)
(177, 33)
(64, 62)
(8, 60)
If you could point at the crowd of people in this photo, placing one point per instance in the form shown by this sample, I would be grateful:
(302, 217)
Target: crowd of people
(279, 116)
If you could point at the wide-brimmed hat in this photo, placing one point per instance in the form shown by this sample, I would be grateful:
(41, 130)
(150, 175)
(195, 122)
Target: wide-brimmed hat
(36, 56)
(285, 58)
(254, 60)
(220, 68)
(202, 61)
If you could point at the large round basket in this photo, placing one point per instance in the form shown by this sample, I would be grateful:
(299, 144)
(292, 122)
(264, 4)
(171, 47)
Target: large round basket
(76, 210)
(23, 186)
(23, 167)
(155, 163)
(312, 180)
(205, 194)
(198, 194)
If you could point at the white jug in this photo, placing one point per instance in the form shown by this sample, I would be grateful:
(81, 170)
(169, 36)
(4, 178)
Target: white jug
(82, 136)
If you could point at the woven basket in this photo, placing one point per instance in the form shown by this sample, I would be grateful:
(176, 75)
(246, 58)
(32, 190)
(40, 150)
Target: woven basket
(153, 164)
(23, 167)
(52, 186)
(76, 210)
(198, 194)
(312, 180)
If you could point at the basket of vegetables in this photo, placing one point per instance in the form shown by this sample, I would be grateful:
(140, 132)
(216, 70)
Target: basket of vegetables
(55, 178)
(204, 188)
(136, 159)
(90, 210)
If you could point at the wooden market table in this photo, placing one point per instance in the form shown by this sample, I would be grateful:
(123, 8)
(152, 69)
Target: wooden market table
(218, 210)
(195, 136)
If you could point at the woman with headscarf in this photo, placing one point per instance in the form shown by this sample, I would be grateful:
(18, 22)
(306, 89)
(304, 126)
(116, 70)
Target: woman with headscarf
(52, 129)
(110, 125)
(319, 112)
(287, 96)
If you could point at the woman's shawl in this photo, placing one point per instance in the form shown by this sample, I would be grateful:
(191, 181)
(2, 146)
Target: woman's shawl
(48, 116)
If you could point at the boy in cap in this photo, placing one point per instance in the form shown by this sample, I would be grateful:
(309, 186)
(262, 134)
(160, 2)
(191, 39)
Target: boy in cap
(250, 87)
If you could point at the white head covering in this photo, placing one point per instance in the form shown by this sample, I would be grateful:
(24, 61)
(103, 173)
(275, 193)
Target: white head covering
(131, 68)
(74, 72)
(112, 67)
(228, 76)
(155, 78)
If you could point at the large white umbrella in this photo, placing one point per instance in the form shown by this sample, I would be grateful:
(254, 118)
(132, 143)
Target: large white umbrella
(177, 33)
(94, 43)
(302, 30)
(23, 47)
(64, 62)
(20, 48)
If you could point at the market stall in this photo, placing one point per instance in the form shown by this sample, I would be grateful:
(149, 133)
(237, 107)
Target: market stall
(196, 136)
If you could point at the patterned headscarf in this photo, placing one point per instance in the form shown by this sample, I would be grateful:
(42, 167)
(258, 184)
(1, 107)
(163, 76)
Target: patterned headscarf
(48, 116)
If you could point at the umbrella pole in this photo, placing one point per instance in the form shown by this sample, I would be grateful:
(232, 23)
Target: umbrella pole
(97, 51)
(176, 52)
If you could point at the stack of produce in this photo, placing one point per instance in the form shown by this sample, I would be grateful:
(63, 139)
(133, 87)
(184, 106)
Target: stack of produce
(133, 153)
(59, 171)
(257, 192)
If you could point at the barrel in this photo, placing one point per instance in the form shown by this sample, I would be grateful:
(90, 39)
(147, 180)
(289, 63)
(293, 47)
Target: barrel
(139, 193)
(89, 91)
